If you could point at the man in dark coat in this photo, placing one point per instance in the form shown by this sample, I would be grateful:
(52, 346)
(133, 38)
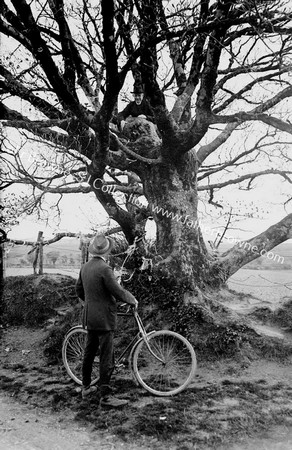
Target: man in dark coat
(100, 290)
(140, 107)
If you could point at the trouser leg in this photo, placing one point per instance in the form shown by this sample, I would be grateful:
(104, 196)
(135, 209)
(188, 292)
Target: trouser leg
(106, 360)
(92, 344)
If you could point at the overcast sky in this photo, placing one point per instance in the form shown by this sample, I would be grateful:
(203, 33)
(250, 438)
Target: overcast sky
(80, 213)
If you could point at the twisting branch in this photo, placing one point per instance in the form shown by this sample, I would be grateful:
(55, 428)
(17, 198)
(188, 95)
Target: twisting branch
(248, 177)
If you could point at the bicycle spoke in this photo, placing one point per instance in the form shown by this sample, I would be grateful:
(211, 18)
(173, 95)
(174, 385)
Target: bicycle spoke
(166, 365)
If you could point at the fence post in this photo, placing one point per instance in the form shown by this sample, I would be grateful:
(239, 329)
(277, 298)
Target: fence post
(41, 254)
(83, 246)
(3, 237)
(37, 251)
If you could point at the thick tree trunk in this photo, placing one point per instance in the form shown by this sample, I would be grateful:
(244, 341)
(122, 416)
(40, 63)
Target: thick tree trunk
(172, 196)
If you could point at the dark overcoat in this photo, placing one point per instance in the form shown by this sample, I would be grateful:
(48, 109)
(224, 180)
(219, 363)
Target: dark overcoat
(134, 110)
(100, 290)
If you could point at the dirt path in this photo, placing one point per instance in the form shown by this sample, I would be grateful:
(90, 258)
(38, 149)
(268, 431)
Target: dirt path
(279, 438)
(26, 428)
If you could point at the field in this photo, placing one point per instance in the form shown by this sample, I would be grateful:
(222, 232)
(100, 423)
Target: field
(263, 284)
(16, 271)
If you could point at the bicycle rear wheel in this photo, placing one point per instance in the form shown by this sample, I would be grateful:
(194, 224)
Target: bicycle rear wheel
(170, 365)
(72, 355)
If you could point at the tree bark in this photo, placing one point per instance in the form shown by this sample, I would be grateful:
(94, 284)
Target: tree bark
(172, 196)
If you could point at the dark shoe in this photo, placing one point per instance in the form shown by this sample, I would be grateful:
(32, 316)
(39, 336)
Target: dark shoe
(112, 402)
(88, 391)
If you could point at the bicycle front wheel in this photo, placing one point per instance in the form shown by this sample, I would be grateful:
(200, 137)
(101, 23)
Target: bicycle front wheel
(167, 366)
(73, 352)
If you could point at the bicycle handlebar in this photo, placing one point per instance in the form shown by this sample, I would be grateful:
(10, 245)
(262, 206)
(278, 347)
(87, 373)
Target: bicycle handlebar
(130, 309)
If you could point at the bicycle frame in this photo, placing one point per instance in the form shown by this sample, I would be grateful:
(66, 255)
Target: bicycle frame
(131, 344)
(142, 334)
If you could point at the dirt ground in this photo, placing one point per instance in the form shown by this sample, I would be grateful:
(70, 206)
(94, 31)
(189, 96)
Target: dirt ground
(231, 405)
(243, 402)
(24, 427)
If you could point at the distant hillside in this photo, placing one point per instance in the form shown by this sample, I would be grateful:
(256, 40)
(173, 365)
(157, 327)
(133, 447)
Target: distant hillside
(66, 250)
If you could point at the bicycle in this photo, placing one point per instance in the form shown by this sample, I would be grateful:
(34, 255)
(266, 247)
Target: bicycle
(163, 362)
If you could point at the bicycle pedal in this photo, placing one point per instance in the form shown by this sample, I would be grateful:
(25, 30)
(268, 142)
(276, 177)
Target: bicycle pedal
(120, 366)
(123, 364)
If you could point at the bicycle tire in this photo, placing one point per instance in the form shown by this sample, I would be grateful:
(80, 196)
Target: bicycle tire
(72, 354)
(175, 373)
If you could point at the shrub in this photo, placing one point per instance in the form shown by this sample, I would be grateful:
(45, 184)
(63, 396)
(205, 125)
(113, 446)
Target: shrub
(31, 300)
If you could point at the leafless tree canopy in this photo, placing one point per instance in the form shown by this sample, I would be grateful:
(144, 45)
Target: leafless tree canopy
(217, 74)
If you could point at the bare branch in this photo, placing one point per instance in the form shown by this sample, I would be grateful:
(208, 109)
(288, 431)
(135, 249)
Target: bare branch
(250, 176)
(260, 245)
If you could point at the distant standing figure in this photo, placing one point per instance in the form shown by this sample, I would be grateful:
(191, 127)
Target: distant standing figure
(140, 107)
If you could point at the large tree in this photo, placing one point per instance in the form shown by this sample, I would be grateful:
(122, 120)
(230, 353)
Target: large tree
(217, 76)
